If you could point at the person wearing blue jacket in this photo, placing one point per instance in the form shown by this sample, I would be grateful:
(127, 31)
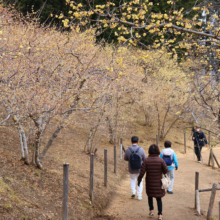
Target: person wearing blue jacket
(170, 159)
(200, 140)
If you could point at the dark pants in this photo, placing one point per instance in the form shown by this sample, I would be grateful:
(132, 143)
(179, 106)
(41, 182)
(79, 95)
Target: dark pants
(198, 151)
(159, 204)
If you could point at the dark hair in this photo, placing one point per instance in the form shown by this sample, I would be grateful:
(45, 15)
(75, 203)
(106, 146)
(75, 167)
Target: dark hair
(154, 149)
(134, 139)
(167, 144)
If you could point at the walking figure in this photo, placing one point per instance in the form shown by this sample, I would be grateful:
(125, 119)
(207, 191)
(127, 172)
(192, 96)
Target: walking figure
(154, 167)
(200, 140)
(135, 156)
(170, 159)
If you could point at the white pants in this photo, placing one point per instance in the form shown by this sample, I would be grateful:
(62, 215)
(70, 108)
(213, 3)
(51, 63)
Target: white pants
(170, 174)
(133, 185)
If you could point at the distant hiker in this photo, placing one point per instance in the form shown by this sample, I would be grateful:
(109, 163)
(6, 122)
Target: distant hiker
(169, 156)
(200, 140)
(135, 156)
(154, 167)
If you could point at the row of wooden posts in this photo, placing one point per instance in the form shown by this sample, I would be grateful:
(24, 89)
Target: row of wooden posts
(212, 197)
(91, 187)
(91, 184)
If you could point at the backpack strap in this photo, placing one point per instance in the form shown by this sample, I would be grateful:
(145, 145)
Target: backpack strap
(131, 150)
(137, 150)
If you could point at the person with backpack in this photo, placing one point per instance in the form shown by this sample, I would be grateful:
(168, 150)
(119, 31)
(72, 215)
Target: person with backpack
(135, 155)
(154, 167)
(200, 140)
(169, 156)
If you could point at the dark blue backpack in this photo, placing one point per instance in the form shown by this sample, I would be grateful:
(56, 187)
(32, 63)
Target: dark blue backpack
(168, 160)
(135, 159)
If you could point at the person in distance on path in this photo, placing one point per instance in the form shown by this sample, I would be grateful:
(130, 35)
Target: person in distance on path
(135, 156)
(169, 156)
(200, 140)
(154, 167)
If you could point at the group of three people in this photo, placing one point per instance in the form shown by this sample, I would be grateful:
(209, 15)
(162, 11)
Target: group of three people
(154, 166)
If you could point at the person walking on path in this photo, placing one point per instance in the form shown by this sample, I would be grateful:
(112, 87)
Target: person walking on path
(135, 155)
(154, 167)
(200, 140)
(169, 156)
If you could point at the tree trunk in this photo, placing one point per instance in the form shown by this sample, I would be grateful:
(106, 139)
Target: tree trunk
(171, 126)
(24, 147)
(111, 131)
(158, 120)
(49, 143)
(33, 158)
(163, 126)
(89, 141)
(37, 148)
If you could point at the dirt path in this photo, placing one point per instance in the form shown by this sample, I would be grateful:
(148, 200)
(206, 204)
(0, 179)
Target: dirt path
(180, 205)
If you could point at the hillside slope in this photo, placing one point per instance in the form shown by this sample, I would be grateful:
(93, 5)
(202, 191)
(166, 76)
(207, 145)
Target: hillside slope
(30, 193)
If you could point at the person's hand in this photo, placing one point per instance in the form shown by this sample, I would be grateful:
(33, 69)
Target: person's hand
(176, 168)
(206, 145)
(139, 182)
(193, 138)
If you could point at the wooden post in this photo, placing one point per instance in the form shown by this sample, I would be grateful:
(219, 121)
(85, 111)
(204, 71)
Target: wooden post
(121, 148)
(196, 184)
(212, 160)
(91, 195)
(219, 209)
(215, 159)
(207, 189)
(198, 202)
(185, 141)
(105, 167)
(115, 159)
(157, 138)
(65, 190)
(211, 203)
(209, 162)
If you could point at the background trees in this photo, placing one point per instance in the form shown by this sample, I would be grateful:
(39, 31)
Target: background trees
(48, 77)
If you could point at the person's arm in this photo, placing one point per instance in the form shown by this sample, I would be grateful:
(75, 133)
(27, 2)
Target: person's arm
(193, 137)
(126, 156)
(164, 167)
(142, 172)
(206, 142)
(175, 159)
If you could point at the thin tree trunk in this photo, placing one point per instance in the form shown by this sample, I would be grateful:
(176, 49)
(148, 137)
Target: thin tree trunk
(219, 118)
(49, 143)
(89, 141)
(111, 132)
(22, 145)
(25, 147)
(163, 126)
(171, 126)
(158, 120)
(37, 148)
(33, 158)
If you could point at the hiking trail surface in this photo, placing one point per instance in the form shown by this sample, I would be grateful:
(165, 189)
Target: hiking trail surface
(179, 205)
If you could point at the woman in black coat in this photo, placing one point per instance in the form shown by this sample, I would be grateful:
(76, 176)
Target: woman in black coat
(154, 167)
